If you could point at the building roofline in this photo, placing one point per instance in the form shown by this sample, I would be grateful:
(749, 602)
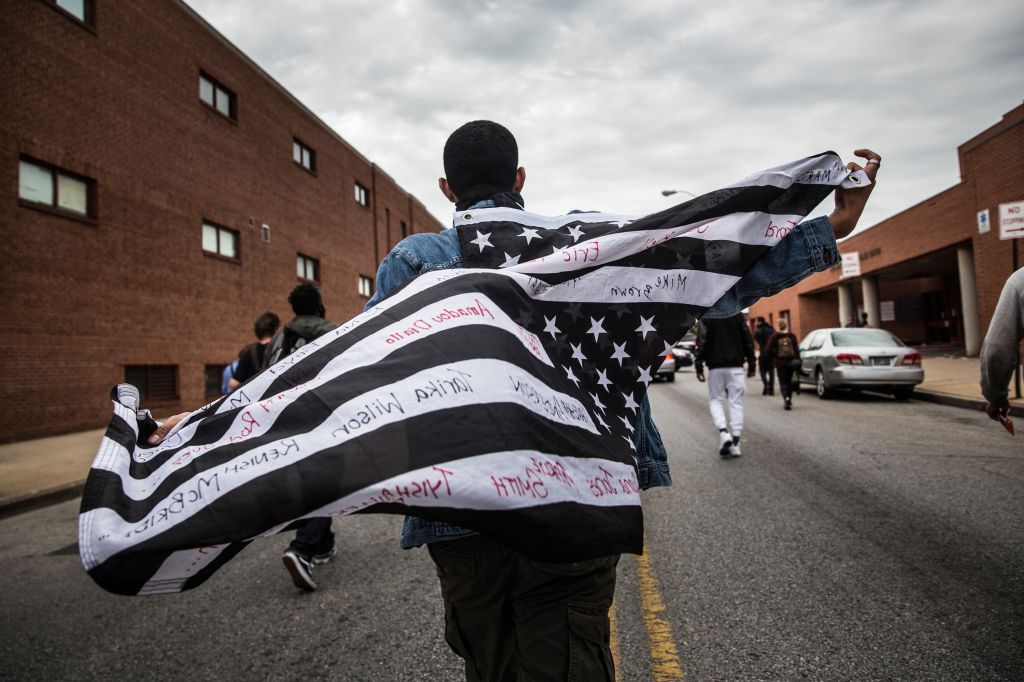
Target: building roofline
(295, 100)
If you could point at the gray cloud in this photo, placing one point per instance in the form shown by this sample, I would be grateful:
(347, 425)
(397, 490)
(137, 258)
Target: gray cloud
(614, 101)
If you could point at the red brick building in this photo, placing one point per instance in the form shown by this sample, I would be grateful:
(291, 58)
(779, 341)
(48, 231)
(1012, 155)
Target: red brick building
(158, 191)
(931, 274)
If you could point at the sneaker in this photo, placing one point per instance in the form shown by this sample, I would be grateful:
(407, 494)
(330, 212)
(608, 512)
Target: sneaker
(301, 570)
(324, 557)
(734, 450)
(725, 443)
(788, 404)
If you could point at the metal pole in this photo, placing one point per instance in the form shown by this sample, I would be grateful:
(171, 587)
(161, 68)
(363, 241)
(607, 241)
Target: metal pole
(1016, 371)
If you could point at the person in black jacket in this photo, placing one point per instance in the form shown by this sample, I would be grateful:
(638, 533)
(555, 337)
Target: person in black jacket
(724, 344)
(764, 362)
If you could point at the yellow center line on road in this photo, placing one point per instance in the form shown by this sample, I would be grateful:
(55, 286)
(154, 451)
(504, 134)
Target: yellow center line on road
(665, 666)
(613, 642)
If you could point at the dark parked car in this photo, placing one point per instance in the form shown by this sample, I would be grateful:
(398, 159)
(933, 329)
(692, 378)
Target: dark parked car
(858, 358)
(683, 356)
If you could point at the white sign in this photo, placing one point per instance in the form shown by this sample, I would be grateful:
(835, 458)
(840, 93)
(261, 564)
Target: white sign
(887, 310)
(983, 222)
(851, 265)
(1011, 220)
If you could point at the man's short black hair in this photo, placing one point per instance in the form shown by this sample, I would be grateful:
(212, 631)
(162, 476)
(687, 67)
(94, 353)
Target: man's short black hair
(480, 160)
(305, 299)
(266, 325)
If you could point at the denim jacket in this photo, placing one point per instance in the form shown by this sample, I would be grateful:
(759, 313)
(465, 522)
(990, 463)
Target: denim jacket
(810, 247)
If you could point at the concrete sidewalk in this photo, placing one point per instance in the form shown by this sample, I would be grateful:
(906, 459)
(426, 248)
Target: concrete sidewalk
(43, 471)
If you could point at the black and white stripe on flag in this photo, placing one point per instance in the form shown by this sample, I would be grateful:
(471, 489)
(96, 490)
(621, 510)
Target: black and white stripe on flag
(501, 397)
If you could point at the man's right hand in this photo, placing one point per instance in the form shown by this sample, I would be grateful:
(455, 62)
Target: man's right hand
(700, 377)
(165, 428)
(850, 202)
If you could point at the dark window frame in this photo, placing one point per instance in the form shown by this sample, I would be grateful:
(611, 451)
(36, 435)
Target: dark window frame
(237, 258)
(88, 23)
(404, 228)
(369, 282)
(362, 195)
(217, 85)
(308, 260)
(90, 215)
(149, 371)
(310, 153)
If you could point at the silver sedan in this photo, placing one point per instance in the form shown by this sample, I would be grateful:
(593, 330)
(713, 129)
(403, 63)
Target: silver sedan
(859, 358)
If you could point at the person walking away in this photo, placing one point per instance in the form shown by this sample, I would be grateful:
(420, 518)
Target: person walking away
(764, 362)
(784, 352)
(314, 542)
(724, 344)
(999, 351)
(250, 359)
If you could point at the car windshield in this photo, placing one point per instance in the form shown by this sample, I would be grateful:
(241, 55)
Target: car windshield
(864, 337)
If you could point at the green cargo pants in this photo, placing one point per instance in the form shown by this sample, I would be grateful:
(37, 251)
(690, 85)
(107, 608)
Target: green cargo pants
(512, 618)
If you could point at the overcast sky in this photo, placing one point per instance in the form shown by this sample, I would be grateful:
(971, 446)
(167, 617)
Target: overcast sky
(612, 102)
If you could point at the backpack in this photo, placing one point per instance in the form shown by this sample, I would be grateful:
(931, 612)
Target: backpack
(285, 343)
(225, 377)
(784, 349)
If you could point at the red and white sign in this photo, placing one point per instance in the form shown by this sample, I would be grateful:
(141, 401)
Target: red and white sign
(1011, 220)
(851, 265)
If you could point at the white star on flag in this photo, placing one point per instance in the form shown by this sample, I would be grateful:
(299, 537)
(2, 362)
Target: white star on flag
(550, 327)
(529, 235)
(602, 422)
(572, 377)
(630, 403)
(667, 350)
(620, 353)
(596, 328)
(631, 443)
(577, 352)
(645, 376)
(646, 326)
(510, 260)
(602, 379)
(597, 402)
(622, 223)
(482, 240)
(576, 233)
(628, 425)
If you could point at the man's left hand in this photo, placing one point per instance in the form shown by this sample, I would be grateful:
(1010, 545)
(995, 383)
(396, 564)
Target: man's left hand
(850, 202)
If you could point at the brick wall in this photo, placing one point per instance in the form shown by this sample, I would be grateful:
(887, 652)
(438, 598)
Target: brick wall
(120, 104)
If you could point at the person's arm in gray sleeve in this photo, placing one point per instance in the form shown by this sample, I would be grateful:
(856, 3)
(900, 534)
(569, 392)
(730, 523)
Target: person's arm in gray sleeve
(999, 352)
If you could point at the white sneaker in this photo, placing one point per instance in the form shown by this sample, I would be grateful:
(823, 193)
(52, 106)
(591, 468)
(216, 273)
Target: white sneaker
(724, 444)
(734, 450)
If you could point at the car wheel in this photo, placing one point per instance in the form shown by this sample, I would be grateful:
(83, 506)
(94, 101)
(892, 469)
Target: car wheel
(820, 387)
(903, 392)
(670, 378)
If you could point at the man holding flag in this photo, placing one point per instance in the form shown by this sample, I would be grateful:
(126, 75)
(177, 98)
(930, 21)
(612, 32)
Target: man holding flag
(529, 595)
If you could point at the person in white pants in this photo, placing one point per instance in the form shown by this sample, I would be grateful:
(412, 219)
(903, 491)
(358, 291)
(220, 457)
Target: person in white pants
(724, 344)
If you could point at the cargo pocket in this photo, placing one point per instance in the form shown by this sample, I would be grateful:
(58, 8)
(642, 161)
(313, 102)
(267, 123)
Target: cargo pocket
(590, 657)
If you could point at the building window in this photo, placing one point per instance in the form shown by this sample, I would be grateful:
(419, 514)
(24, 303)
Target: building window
(46, 185)
(155, 382)
(265, 231)
(362, 195)
(404, 228)
(215, 95)
(79, 9)
(220, 241)
(365, 286)
(307, 268)
(304, 156)
(212, 376)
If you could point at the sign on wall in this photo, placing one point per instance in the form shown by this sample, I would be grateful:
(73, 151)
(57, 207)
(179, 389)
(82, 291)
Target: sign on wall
(851, 265)
(983, 222)
(1011, 220)
(887, 309)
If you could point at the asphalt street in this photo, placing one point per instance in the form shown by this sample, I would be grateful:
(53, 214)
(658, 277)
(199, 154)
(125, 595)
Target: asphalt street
(858, 538)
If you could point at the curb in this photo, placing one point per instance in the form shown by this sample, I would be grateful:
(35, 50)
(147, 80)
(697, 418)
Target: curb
(960, 401)
(13, 506)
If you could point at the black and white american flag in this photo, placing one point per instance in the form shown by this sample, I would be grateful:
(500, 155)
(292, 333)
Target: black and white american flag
(502, 396)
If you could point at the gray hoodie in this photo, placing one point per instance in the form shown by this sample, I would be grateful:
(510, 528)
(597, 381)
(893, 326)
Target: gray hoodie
(999, 352)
